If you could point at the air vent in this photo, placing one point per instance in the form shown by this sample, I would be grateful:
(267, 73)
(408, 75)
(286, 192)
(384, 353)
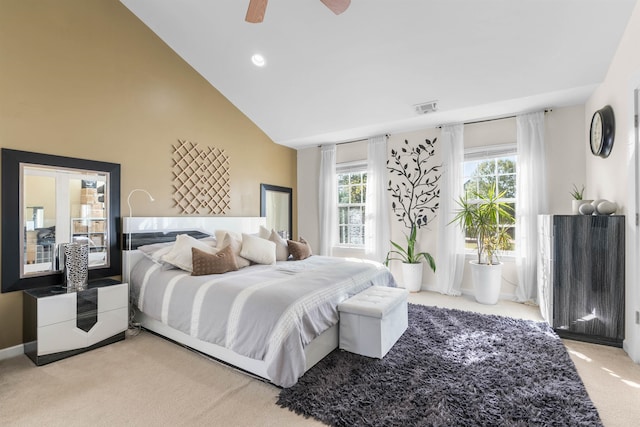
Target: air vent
(426, 107)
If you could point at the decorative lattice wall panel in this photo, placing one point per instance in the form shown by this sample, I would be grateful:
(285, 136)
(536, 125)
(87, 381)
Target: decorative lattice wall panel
(200, 179)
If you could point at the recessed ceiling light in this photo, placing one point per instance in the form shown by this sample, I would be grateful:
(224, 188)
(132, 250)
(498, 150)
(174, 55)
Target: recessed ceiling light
(258, 60)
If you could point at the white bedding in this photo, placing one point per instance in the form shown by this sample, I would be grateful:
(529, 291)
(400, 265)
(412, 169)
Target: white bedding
(268, 313)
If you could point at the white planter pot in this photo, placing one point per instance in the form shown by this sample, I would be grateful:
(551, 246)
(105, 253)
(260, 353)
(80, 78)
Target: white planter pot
(487, 280)
(575, 205)
(412, 276)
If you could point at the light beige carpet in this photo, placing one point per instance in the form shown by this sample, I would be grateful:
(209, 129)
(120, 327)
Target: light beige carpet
(142, 381)
(611, 379)
(146, 380)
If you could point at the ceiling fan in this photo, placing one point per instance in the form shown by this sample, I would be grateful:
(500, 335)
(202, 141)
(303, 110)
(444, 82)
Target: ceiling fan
(255, 12)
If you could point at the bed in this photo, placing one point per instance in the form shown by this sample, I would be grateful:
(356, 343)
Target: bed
(274, 321)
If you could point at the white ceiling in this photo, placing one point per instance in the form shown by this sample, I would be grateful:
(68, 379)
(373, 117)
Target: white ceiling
(334, 78)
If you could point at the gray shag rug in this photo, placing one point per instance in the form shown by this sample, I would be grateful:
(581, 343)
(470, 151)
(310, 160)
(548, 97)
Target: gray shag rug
(450, 368)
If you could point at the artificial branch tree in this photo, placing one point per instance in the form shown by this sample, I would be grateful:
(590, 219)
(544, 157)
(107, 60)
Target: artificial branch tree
(415, 194)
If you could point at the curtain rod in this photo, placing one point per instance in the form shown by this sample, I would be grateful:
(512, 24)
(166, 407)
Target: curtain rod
(548, 110)
(351, 141)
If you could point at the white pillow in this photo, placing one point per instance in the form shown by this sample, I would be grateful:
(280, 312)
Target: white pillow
(282, 249)
(220, 237)
(180, 253)
(264, 233)
(156, 251)
(209, 240)
(258, 250)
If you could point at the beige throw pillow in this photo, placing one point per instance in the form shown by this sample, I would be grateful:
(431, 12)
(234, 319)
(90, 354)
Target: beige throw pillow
(221, 262)
(299, 250)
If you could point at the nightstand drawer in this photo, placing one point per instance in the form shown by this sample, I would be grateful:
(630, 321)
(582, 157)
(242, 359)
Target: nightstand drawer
(113, 297)
(109, 323)
(56, 309)
(63, 307)
(59, 337)
(65, 335)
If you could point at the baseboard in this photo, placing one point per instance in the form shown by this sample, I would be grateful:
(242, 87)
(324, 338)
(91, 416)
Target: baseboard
(433, 288)
(469, 292)
(9, 352)
(503, 296)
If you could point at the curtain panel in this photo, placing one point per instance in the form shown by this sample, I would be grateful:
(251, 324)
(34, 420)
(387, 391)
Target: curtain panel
(531, 200)
(450, 253)
(377, 228)
(328, 199)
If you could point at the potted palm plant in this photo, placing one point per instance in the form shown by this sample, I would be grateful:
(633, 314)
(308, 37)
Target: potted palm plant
(415, 196)
(484, 216)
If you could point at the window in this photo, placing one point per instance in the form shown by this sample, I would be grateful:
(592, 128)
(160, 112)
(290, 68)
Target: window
(491, 167)
(352, 189)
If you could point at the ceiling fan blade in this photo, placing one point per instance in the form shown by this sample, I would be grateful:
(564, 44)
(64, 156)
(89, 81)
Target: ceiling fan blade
(337, 6)
(255, 12)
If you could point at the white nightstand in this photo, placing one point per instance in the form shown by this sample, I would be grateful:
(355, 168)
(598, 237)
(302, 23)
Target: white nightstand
(59, 324)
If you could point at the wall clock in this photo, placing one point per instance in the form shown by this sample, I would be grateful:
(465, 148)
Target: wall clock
(602, 132)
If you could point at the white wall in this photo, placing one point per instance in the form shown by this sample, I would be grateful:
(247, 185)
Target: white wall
(569, 161)
(614, 178)
(565, 154)
(308, 177)
(564, 138)
(308, 210)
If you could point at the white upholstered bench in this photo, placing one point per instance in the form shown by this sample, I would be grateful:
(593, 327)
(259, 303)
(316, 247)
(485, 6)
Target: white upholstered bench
(372, 321)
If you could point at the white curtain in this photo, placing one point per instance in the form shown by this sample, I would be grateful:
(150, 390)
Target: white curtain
(377, 233)
(531, 200)
(450, 253)
(328, 202)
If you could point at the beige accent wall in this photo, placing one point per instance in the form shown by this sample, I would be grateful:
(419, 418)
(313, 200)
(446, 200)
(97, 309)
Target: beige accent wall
(87, 79)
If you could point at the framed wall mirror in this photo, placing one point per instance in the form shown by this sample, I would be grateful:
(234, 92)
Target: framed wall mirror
(276, 205)
(51, 200)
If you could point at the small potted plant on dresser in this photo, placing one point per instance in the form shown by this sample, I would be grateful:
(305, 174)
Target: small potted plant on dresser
(485, 217)
(415, 196)
(577, 195)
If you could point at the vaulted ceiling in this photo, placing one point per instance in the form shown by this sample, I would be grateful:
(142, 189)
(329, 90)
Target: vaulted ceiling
(331, 78)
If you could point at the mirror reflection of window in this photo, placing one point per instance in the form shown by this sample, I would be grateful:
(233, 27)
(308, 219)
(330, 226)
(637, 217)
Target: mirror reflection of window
(34, 217)
(61, 206)
(39, 219)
